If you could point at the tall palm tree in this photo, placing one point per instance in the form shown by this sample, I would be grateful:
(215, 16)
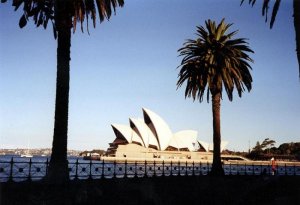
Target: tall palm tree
(210, 63)
(64, 15)
(296, 15)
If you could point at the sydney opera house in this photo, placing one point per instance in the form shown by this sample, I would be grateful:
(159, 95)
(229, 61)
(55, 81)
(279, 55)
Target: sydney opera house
(151, 137)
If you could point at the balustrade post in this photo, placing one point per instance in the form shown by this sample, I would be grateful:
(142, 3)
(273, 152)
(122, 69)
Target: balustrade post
(115, 166)
(237, 169)
(285, 172)
(193, 174)
(29, 170)
(294, 170)
(145, 169)
(208, 171)
(76, 170)
(200, 168)
(102, 169)
(47, 163)
(135, 173)
(171, 174)
(186, 169)
(11, 170)
(90, 174)
(125, 173)
(163, 168)
(178, 164)
(252, 168)
(154, 171)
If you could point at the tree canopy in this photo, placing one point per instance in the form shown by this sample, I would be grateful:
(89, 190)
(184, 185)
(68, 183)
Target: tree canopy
(213, 62)
(79, 10)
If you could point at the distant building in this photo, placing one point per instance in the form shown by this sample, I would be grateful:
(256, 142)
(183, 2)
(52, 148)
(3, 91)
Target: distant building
(151, 137)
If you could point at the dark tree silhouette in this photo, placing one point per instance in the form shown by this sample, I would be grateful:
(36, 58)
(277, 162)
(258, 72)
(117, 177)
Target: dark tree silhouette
(296, 15)
(64, 15)
(210, 63)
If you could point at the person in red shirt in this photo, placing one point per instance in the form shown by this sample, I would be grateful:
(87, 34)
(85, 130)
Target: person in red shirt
(273, 166)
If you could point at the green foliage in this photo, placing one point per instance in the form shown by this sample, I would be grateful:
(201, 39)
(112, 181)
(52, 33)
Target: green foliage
(263, 147)
(267, 143)
(214, 61)
(211, 63)
(290, 148)
(266, 149)
(257, 148)
(64, 15)
(43, 11)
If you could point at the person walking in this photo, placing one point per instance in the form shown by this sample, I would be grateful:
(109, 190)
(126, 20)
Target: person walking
(273, 166)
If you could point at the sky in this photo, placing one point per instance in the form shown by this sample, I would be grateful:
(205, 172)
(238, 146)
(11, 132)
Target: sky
(131, 61)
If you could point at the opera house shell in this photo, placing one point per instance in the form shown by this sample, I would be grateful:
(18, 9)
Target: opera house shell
(152, 137)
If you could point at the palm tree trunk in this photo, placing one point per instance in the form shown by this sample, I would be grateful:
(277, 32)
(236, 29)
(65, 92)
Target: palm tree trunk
(297, 29)
(58, 168)
(217, 169)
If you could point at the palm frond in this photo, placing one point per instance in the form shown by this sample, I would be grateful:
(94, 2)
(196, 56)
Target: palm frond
(105, 7)
(79, 10)
(274, 12)
(265, 9)
(296, 7)
(214, 61)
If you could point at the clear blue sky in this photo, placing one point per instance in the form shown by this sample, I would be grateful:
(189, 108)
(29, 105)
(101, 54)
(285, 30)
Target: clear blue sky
(130, 62)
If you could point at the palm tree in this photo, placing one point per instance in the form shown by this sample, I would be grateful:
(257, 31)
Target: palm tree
(213, 61)
(296, 15)
(64, 15)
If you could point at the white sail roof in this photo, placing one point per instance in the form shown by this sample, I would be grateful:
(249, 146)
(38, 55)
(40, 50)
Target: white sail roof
(184, 139)
(159, 128)
(127, 133)
(154, 131)
(205, 145)
(223, 145)
(144, 132)
(210, 147)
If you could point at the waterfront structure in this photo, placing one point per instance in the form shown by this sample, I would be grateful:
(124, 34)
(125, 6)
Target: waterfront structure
(151, 137)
